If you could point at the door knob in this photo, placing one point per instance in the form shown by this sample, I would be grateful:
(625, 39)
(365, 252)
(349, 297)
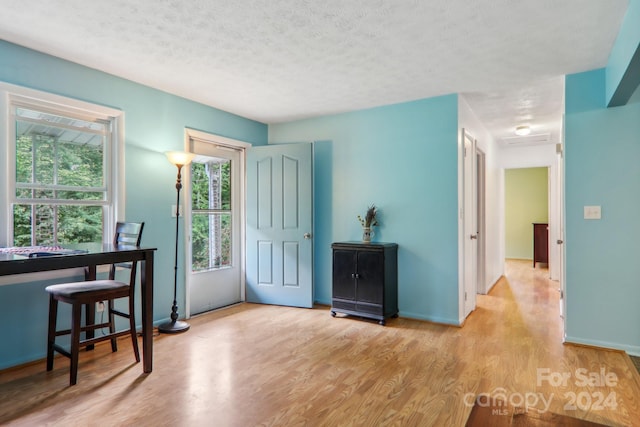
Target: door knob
(474, 236)
(307, 235)
(559, 241)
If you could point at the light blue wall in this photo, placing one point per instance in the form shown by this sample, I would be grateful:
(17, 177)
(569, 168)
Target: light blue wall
(404, 159)
(155, 123)
(623, 67)
(602, 149)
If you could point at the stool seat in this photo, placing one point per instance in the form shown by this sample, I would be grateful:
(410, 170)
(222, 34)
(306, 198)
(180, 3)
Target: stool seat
(88, 288)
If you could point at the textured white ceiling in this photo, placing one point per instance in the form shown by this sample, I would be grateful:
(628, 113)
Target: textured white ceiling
(280, 60)
(539, 105)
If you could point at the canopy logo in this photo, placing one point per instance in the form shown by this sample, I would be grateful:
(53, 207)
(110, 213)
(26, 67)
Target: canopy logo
(500, 401)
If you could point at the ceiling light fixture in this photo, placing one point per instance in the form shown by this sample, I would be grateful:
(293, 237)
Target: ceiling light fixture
(523, 130)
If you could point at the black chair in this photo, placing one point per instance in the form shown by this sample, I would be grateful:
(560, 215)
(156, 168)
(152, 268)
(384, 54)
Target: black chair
(89, 293)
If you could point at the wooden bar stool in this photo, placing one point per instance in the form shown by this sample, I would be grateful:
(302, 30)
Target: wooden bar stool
(89, 293)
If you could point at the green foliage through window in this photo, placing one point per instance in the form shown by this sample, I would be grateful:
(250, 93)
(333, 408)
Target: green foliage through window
(60, 179)
(211, 214)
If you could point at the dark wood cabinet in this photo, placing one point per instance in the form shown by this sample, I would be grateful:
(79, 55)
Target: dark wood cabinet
(365, 280)
(540, 243)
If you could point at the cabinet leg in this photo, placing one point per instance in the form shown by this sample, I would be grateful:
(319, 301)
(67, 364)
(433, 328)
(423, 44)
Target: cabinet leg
(382, 322)
(395, 316)
(333, 313)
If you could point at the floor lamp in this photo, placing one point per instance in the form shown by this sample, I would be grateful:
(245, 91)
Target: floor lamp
(175, 326)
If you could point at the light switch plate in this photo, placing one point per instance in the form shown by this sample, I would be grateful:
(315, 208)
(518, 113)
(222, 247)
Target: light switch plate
(592, 212)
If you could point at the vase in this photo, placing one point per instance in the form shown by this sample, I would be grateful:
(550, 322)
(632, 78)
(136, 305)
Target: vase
(367, 233)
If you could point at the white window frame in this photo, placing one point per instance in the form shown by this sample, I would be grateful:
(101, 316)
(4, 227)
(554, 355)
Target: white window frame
(13, 94)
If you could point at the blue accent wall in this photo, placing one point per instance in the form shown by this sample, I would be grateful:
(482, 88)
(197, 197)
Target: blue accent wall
(623, 67)
(602, 148)
(404, 159)
(585, 92)
(154, 123)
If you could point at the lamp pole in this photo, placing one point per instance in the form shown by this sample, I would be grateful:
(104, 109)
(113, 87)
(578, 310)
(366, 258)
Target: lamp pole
(174, 325)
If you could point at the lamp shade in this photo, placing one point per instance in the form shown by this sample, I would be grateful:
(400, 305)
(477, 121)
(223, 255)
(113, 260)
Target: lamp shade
(179, 158)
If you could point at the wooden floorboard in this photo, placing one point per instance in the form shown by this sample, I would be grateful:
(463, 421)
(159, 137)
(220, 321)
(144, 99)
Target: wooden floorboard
(252, 365)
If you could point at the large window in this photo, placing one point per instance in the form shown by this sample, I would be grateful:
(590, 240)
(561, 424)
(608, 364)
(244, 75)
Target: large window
(61, 173)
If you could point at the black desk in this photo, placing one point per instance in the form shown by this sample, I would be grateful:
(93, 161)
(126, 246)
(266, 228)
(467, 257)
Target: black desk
(98, 255)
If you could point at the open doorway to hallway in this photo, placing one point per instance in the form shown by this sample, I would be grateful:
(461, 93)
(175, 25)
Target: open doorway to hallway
(527, 218)
(527, 214)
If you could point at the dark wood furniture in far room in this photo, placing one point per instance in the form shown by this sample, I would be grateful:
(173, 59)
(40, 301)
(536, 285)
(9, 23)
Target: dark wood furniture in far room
(365, 280)
(540, 243)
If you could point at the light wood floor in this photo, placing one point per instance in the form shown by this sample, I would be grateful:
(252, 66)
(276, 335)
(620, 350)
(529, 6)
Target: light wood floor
(264, 365)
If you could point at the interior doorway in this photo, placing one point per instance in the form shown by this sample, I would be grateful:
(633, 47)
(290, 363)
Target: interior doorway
(549, 160)
(526, 204)
(469, 232)
(472, 225)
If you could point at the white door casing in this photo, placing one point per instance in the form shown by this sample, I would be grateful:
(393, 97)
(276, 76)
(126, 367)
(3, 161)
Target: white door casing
(557, 241)
(216, 287)
(481, 219)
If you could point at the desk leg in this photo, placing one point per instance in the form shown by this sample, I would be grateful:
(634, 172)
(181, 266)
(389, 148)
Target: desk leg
(90, 309)
(146, 288)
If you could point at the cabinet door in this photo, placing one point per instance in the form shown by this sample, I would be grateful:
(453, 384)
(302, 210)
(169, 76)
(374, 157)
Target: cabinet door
(344, 266)
(370, 282)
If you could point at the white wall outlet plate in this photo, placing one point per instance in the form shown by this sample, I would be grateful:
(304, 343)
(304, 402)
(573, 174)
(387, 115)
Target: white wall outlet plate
(592, 212)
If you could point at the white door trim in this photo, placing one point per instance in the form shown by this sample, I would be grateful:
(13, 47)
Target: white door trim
(222, 142)
(481, 186)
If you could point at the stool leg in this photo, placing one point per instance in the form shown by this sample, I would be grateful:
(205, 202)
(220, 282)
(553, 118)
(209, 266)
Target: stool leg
(51, 336)
(112, 326)
(90, 313)
(75, 341)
